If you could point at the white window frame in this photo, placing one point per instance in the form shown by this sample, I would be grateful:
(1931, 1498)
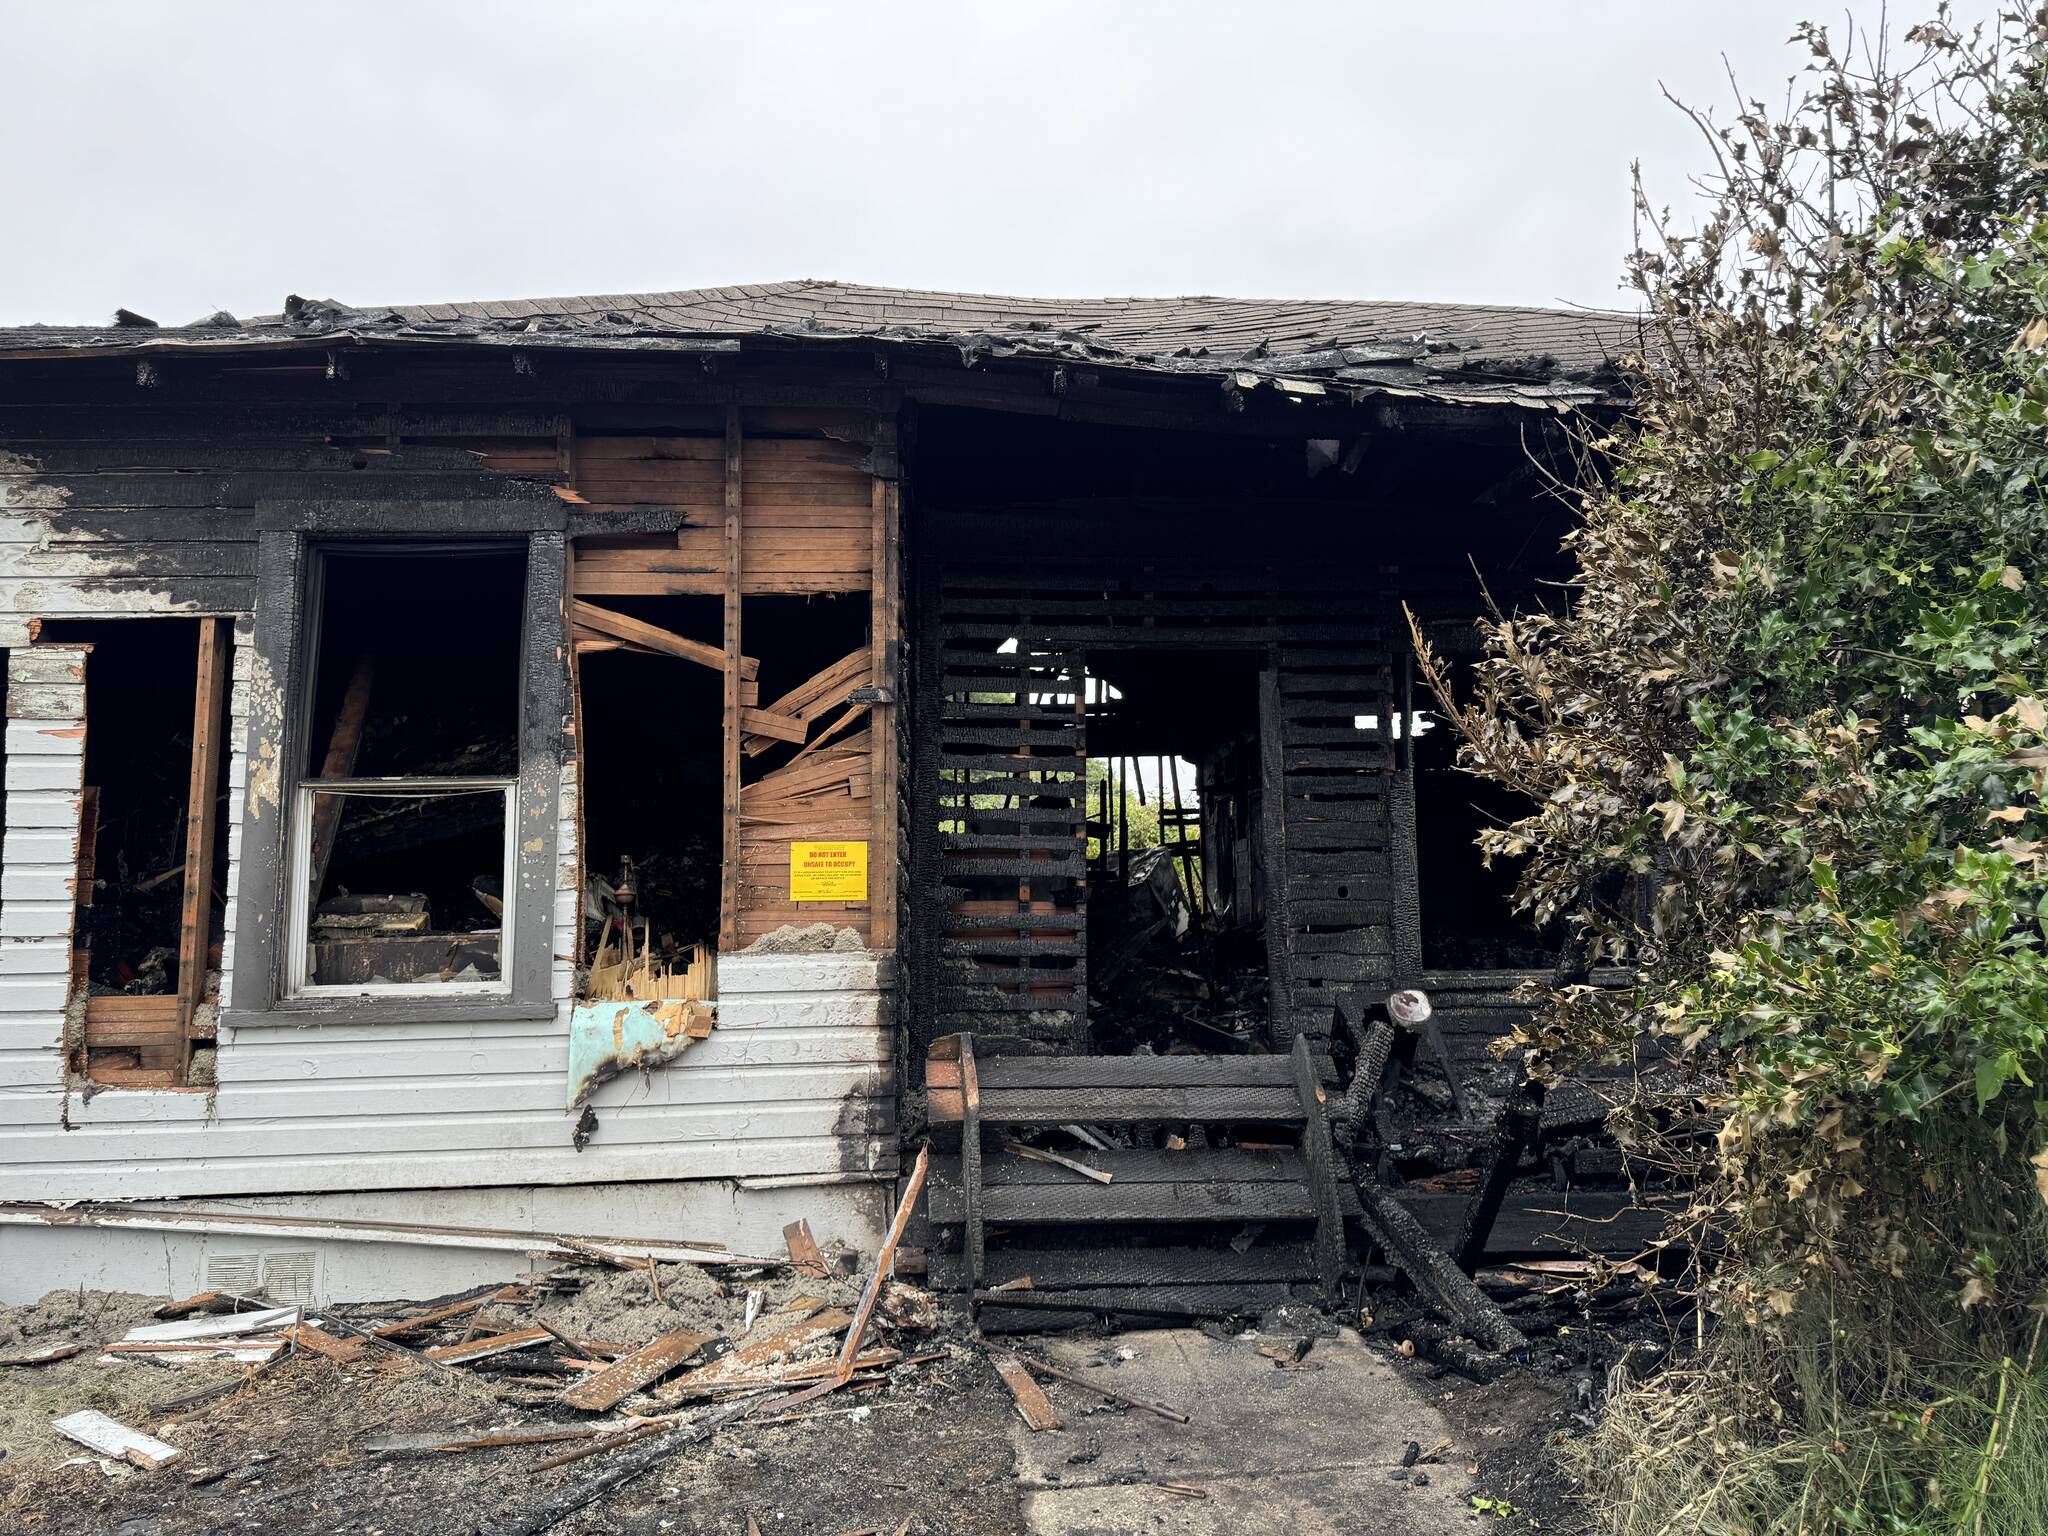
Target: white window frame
(299, 913)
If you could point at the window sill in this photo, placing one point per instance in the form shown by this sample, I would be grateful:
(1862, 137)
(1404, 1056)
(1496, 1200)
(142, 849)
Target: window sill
(390, 1010)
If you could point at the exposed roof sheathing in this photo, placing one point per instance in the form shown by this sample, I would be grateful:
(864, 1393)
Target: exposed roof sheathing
(1463, 352)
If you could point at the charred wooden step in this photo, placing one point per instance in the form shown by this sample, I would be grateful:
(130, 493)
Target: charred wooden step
(1145, 1300)
(1196, 1185)
(1125, 1090)
(1057, 1269)
(1225, 1187)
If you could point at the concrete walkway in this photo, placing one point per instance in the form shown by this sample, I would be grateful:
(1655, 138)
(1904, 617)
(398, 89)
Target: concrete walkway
(1306, 1451)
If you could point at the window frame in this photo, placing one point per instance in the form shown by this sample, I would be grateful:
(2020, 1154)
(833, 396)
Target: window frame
(299, 909)
(293, 538)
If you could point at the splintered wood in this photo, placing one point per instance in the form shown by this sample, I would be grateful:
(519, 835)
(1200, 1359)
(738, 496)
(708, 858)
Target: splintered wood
(807, 701)
(629, 971)
(593, 621)
(759, 1362)
(96, 1432)
(821, 795)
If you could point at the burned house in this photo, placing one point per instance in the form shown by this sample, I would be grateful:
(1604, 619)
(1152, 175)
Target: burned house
(617, 768)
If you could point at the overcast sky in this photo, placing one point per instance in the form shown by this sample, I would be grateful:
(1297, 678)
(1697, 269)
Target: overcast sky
(186, 157)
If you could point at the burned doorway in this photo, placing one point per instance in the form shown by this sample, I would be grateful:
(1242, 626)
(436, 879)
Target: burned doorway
(1175, 930)
(1263, 670)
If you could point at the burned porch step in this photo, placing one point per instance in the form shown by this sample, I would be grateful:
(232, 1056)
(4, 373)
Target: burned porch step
(1125, 1106)
(1121, 1266)
(1125, 1090)
(1136, 1072)
(1194, 1185)
(1140, 1300)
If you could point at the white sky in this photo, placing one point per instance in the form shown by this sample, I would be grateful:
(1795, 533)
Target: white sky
(183, 157)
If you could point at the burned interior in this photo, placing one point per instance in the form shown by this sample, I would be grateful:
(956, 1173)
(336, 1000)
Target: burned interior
(404, 819)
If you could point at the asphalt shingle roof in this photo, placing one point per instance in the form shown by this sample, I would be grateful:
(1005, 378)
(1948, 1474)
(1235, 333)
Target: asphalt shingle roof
(1465, 352)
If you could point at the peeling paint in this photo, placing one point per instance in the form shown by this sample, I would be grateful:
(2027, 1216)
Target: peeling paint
(265, 704)
(607, 1039)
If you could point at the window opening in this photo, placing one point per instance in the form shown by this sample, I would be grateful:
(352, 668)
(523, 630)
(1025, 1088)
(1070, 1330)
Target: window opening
(402, 854)
(1467, 911)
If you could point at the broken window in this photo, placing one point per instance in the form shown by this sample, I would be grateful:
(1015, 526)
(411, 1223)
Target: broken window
(651, 735)
(152, 865)
(401, 858)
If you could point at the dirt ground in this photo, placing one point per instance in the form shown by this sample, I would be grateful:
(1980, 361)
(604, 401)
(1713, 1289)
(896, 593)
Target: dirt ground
(931, 1445)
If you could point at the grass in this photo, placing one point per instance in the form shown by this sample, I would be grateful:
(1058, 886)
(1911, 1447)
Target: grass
(1917, 1447)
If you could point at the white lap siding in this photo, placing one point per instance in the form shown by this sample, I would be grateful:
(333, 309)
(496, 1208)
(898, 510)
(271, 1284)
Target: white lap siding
(45, 777)
(795, 1082)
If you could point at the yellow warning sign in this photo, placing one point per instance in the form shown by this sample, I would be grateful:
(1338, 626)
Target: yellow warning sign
(828, 871)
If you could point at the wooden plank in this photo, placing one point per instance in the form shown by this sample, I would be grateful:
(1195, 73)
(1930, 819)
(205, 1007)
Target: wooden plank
(765, 722)
(757, 1360)
(343, 743)
(804, 1251)
(732, 661)
(631, 1372)
(1138, 1072)
(970, 1161)
(441, 1314)
(826, 689)
(156, 1023)
(885, 1263)
(1118, 1204)
(1033, 1106)
(655, 638)
(1033, 1406)
(96, 1432)
(195, 922)
(491, 1344)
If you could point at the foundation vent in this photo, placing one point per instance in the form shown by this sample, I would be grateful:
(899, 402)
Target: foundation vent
(236, 1273)
(288, 1276)
(284, 1277)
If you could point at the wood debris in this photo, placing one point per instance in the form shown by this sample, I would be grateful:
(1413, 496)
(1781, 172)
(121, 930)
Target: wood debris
(1074, 1164)
(1101, 1389)
(48, 1356)
(1033, 1406)
(632, 1371)
(491, 1345)
(804, 1251)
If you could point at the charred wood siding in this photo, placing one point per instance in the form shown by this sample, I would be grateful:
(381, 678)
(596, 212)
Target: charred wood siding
(1009, 605)
(145, 502)
(113, 509)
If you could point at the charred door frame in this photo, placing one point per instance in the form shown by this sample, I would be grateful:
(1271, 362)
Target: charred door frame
(287, 533)
(1332, 934)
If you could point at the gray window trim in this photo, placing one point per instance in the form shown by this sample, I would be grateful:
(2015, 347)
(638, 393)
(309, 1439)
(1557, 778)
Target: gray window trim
(289, 534)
